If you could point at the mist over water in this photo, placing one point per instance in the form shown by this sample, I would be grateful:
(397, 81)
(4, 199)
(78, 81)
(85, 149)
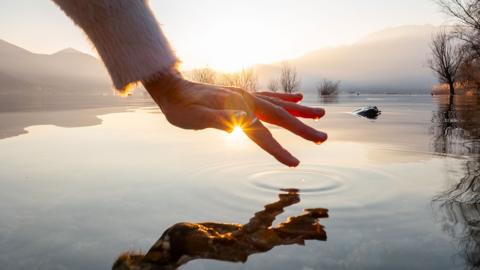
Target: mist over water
(401, 190)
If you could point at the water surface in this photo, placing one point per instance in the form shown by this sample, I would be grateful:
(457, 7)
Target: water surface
(402, 190)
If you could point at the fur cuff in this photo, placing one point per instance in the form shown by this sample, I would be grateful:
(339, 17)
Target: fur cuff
(127, 37)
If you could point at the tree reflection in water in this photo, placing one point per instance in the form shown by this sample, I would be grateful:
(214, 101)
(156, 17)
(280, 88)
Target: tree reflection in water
(184, 242)
(327, 99)
(456, 131)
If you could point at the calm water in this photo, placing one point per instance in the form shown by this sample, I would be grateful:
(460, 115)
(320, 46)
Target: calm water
(402, 191)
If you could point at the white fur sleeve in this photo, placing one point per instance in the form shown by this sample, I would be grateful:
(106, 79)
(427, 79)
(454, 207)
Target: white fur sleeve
(126, 35)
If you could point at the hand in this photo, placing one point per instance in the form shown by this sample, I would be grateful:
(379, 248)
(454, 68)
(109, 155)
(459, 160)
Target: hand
(196, 106)
(185, 241)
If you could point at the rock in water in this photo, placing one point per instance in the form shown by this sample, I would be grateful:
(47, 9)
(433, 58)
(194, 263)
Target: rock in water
(370, 112)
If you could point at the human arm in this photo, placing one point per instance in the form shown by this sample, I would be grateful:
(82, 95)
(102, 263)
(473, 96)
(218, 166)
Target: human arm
(134, 49)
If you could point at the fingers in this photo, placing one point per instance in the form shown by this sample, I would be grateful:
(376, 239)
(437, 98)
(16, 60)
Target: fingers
(259, 134)
(296, 109)
(198, 117)
(295, 97)
(276, 115)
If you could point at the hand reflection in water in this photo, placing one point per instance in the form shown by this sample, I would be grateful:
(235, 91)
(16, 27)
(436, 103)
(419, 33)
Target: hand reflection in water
(184, 242)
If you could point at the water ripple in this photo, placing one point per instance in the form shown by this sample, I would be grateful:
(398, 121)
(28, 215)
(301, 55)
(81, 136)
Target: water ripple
(250, 182)
(307, 180)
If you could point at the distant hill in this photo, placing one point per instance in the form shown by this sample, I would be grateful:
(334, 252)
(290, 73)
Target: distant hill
(65, 80)
(392, 60)
(66, 70)
(10, 82)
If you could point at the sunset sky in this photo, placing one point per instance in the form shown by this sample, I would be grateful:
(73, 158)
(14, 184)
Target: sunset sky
(228, 35)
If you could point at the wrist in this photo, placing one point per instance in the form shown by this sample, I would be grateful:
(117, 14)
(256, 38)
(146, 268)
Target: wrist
(163, 84)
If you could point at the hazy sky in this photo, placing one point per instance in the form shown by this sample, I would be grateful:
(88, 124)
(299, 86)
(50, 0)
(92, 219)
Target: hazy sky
(228, 34)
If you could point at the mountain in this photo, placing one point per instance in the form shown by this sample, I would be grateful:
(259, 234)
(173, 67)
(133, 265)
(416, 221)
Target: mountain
(392, 60)
(14, 83)
(66, 70)
(65, 80)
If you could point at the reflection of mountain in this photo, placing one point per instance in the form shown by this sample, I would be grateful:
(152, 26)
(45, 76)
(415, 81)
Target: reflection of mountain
(392, 60)
(184, 242)
(456, 130)
(64, 81)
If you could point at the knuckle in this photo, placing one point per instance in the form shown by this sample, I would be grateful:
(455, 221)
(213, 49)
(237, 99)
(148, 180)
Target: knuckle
(279, 112)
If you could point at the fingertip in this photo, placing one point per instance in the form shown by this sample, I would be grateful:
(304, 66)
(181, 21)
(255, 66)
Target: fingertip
(298, 97)
(318, 113)
(321, 112)
(284, 157)
(289, 160)
(322, 137)
(294, 163)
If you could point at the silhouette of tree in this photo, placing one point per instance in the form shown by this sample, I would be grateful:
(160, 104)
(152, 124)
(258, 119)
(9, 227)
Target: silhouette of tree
(246, 79)
(328, 88)
(289, 80)
(466, 14)
(446, 60)
(204, 75)
(273, 85)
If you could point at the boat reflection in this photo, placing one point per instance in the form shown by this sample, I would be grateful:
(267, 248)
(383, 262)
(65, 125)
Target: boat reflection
(456, 131)
(184, 242)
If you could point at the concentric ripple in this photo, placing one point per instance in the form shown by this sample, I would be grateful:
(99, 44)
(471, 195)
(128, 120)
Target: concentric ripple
(235, 185)
(307, 180)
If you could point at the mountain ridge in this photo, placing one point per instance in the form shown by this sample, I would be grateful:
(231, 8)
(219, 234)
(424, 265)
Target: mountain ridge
(390, 60)
(67, 70)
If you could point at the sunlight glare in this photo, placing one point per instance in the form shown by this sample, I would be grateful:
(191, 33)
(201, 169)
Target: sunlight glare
(237, 133)
(236, 137)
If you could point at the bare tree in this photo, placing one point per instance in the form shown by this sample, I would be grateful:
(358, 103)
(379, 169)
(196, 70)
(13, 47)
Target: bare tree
(273, 85)
(465, 11)
(204, 75)
(246, 79)
(289, 81)
(328, 88)
(467, 15)
(447, 57)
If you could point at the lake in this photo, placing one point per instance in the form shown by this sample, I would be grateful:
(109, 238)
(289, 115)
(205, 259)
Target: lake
(80, 187)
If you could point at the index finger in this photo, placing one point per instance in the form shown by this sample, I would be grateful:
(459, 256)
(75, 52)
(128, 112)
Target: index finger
(295, 97)
(259, 134)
